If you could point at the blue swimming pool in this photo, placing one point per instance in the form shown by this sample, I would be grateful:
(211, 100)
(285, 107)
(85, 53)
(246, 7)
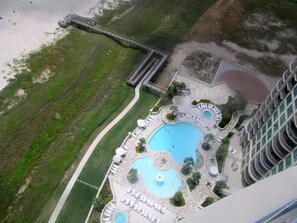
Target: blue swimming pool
(207, 114)
(120, 217)
(180, 139)
(162, 183)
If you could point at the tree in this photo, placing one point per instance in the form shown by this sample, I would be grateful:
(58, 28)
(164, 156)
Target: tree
(196, 176)
(132, 176)
(208, 138)
(189, 161)
(207, 201)
(174, 89)
(191, 183)
(141, 145)
(178, 199)
(220, 185)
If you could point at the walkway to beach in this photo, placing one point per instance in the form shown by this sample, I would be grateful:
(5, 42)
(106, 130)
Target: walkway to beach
(89, 152)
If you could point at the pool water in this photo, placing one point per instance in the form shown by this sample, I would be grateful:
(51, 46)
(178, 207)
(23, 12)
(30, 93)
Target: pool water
(180, 139)
(207, 114)
(164, 186)
(120, 217)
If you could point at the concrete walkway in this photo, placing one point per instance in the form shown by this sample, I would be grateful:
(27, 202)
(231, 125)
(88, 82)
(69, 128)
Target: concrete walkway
(89, 152)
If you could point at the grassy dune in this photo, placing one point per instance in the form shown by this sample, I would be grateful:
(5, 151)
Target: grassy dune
(42, 135)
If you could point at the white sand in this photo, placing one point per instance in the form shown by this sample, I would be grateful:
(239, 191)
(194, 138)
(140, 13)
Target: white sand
(30, 26)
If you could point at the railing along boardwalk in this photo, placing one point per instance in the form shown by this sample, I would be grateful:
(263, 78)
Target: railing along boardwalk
(152, 63)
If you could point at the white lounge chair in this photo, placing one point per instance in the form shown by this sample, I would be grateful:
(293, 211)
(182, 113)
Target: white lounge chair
(133, 192)
(145, 213)
(113, 171)
(163, 209)
(151, 203)
(106, 219)
(107, 214)
(159, 207)
(234, 151)
(137, 195)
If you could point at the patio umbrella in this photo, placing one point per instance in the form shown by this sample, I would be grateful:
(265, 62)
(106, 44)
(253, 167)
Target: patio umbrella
(214, 170)
(141, 123)
(120, 151)
(117, 158)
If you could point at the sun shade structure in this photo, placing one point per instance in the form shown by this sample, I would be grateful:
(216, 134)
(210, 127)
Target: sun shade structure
(117, 158)
(141, 123)
(214, 170)
(120, 151)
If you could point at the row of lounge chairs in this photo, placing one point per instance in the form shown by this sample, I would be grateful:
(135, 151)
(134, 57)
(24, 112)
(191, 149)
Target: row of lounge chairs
(218, 114)
(146, 200)
(138, 130)
(197, 119)
(114, 168)
(107, 212)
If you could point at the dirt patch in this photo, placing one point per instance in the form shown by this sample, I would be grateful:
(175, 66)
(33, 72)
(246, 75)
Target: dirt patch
(43, 77)
(202, 65)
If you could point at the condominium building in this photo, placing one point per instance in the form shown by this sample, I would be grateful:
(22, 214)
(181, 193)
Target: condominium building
(269, 141)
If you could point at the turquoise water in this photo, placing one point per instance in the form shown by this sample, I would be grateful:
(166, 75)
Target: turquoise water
(180, 139)
(120, 217)
(148, 176)
(207, 114)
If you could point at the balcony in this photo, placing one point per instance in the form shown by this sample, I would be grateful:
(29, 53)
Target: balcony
(268, 100)
(246, 177)
(265, 162)
(292, 131)
(271, 156)
(274, 93)
(286, 75)
(293, 66)
(278, 148)
(259, 167)
(280, 85)
(254, 172)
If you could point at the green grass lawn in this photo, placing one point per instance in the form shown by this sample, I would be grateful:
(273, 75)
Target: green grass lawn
(78, 203)
(99, 162)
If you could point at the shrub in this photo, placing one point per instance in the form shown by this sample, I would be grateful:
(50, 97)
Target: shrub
(175, 89)
(170, 116)
(140, 148)
(178, 199)
(186, 170)
(104, 198)
(194, 102)
(155, 108)
(207, 201)
(221, 155)
(203, 100)
(132, 176)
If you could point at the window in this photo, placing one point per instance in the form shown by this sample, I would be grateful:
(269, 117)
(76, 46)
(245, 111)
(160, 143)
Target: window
(269, 123)
(295, 155)
(275, 127)
(275, 115)
(269, 134)
(253, 152)
(289, 99)
(288, 161)
(243, 162)
(282, 107)
(263, 140)
(296, 104)
(258, 147)
(290, 110)
(263, 129)
(295, 91)
(254, 141)
(281, 166)
(258, 135)
(273, 171)
(283, 119)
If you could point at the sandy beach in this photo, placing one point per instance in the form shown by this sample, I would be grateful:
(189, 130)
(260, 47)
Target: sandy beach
(26, 25)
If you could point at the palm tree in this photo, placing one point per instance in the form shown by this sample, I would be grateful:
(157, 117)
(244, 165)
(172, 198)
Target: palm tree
(207, 139)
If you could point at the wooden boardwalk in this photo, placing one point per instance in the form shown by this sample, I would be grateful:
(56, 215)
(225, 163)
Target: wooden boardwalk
(154, 61)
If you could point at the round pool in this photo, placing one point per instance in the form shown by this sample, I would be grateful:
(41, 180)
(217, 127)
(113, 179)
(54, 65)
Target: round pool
(120, 217)
(207, 114)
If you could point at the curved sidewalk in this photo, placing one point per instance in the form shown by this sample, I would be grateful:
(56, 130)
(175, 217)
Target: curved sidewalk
(89, 152)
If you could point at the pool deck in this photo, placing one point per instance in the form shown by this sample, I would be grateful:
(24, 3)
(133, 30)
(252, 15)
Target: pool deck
(120, 185)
